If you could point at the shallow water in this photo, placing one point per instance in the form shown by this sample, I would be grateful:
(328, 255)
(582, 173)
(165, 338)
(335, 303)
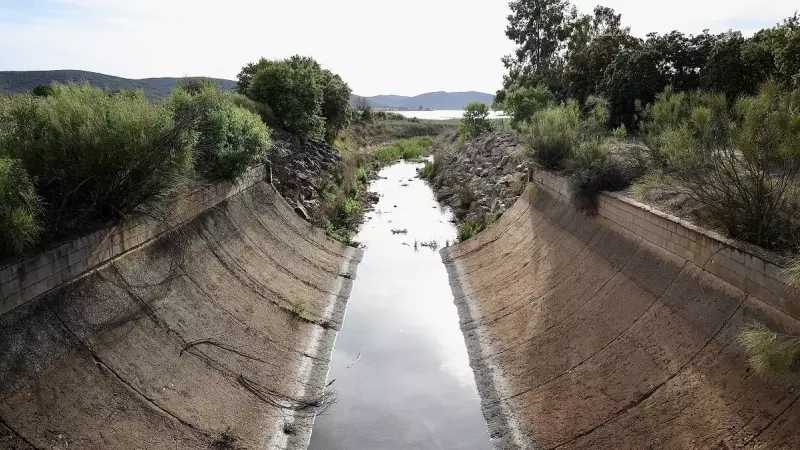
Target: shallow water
(400, 364)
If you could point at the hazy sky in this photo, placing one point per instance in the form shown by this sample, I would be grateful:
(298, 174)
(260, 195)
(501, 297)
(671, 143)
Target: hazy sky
(379, 47)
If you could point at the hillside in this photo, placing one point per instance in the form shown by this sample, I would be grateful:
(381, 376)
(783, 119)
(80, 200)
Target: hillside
(155, 88)
(431, 100)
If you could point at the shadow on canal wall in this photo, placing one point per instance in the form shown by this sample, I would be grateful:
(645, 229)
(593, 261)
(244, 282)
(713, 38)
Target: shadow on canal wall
(218, 328)
(619, 330)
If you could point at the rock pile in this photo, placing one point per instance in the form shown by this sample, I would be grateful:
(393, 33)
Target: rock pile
(300, 169)
(481, 178)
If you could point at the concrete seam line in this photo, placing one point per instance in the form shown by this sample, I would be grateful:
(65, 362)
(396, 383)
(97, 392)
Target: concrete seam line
(504, 430)
(15, 433)
(318, 371)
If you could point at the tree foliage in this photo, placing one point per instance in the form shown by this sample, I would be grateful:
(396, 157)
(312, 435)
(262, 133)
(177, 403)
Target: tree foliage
(475, 120)
(577, 55)
(303, 97)
(230, 138)
(522, 103)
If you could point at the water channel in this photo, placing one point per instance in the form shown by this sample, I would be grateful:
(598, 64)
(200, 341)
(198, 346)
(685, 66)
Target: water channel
(400, 364)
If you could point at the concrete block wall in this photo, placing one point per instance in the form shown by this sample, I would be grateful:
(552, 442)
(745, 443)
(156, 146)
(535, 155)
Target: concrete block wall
(25, 280)
(750, 268)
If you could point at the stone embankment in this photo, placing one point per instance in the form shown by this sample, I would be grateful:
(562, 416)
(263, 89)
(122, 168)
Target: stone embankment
(300, 169)
(213, 332)
(480, 178)
(620, 330)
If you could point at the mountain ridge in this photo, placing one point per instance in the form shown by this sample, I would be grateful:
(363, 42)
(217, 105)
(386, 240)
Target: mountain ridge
(437, 100)
(13, 82)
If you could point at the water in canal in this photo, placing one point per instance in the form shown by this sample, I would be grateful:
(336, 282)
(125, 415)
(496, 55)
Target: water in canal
(400, 364)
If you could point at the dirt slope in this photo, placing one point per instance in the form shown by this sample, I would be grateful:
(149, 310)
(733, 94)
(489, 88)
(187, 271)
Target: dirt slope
(172, 344)
(582, 336)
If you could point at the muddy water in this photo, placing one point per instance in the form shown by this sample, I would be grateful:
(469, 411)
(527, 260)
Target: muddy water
(400, 364)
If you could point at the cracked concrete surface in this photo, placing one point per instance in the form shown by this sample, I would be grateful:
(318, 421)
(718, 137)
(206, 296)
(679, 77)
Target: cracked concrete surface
(171, 344)
(582, 335)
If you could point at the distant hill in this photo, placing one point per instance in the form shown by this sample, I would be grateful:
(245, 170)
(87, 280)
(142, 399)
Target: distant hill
(155, 88)
(431, 100)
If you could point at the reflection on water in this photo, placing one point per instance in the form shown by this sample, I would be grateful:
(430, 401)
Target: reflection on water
(400, 365)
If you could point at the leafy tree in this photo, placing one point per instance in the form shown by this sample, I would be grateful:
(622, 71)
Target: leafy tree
(335, 104)
(475, 121)
(523, 102)
(245, 77)
(585, 69)
(632, 79)
(293, 92)
(540, 28)
(302, 97)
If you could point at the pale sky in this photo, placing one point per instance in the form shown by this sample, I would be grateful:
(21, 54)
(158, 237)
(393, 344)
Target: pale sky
(402, 47)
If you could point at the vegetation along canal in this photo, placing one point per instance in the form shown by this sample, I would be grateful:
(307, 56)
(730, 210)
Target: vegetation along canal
(400, 365)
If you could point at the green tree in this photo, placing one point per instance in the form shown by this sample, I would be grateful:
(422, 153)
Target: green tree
(523, 102)
(540, 29)
(335, 104)
(293, 93)
(299, 94)
(475, 120)
(634, 78)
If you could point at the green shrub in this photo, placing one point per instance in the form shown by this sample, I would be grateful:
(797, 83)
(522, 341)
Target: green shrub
(230, 138)
(552, 134)
(586, 154)
(469, 229)
(42, 90)
(704, 113)
(95, 156)
(522, 103)
(596, 116)
(474, 122)
(19, 208)
(744, 171)
(408, 149)
(770, 353)
(620, 133)
(430, 169)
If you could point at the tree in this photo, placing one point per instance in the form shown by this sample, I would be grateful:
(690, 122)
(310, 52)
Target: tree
(294, 94)
(523, 102)
(585, 68)
(475, 120)
(632, 79)
(303, 97)
(245, 77)
(540, 28)
(335, 104)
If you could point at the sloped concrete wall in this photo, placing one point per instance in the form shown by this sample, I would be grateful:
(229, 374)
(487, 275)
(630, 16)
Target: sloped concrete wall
(22, 281)
(224, 323)
(598, 332)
